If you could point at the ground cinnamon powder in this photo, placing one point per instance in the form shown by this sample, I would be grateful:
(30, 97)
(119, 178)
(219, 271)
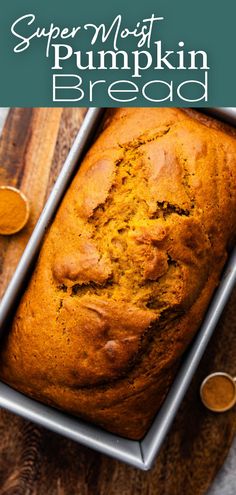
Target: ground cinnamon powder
(218, 392)
(14, 210)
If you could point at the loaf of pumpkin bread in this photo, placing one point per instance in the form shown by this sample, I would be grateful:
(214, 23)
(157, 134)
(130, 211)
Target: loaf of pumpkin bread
(127, 269)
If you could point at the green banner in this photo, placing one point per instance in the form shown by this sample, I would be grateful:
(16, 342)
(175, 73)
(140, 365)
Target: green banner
(154, 53)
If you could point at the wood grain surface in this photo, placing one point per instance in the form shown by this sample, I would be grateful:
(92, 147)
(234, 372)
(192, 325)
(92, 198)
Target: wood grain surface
(33, 148)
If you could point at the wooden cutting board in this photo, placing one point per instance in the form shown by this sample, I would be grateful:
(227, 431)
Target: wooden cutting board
(33, 147)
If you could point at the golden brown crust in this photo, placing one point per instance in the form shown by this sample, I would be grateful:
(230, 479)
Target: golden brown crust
(127, 269)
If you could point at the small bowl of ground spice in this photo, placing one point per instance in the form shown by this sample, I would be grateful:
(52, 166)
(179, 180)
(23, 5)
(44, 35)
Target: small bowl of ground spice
(14, 210)
(218, 392)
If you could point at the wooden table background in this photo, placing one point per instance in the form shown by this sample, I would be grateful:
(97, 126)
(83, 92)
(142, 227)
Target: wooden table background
(33, 147)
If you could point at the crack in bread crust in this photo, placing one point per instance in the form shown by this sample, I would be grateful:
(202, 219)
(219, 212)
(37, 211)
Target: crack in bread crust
(115, 221)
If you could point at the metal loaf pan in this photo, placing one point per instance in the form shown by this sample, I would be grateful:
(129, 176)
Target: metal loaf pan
(139, 454)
